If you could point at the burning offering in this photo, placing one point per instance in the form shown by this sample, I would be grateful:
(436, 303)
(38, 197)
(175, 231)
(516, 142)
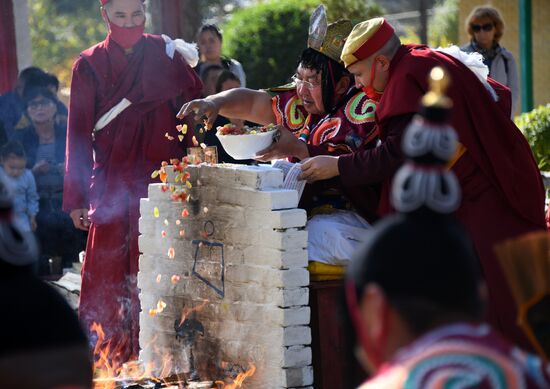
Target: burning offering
(244, 142)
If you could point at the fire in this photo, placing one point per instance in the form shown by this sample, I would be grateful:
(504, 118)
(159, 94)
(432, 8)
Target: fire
(238, 382)
(110, 372)
(107, 363)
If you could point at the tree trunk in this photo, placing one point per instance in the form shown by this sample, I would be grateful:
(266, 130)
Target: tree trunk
(176, 18)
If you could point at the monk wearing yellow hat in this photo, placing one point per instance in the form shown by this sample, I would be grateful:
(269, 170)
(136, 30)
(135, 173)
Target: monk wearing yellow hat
(503, 195)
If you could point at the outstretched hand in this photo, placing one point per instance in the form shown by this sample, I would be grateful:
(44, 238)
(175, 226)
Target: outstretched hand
(202, 108)
(284, 145)
(321, 167)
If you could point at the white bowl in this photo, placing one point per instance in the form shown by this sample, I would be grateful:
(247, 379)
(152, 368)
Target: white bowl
(247, 145)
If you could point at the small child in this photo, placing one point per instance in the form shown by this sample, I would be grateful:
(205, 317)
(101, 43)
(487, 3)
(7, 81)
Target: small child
(25, 197)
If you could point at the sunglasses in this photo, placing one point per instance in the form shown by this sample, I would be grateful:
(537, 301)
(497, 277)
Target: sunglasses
(40, 103)
(484, 27)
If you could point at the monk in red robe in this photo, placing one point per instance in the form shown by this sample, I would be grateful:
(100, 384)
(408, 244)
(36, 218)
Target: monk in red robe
(125, 94)
(502, 191)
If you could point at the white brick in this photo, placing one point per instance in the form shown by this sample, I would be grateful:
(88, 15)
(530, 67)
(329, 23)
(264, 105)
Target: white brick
(234, 176)
(156, 194)
(266, 200)
(267, 277)
(289, 239)
(275, 258)
(297, 356)
(294, 297)
(286, 218)
(297, 335)
(298, 377)
(296, 316)
(274, 296)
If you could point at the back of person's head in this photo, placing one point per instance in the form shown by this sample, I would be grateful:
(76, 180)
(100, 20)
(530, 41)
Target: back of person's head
(486, 12)
(225, 76)
(209, 78)
(212, 28)
(52, 82)
(31, 71)
(27, 76)
(427, 268)
(42, 345)
(12, 148)
(32, 92)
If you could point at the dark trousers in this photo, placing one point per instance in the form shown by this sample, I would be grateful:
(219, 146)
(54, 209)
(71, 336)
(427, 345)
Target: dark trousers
(57, 235)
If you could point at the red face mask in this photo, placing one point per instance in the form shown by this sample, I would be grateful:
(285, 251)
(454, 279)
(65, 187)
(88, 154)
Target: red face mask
(126, 37)
(369, 90)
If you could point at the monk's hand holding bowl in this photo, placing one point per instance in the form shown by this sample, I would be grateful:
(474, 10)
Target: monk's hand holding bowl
(205, 110)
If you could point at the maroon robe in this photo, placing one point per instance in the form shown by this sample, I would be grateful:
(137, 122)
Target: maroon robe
(108, 171)
(502, 191)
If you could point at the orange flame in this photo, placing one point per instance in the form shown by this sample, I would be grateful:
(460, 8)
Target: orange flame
(238, 382)
(109, 370)
(107, 362)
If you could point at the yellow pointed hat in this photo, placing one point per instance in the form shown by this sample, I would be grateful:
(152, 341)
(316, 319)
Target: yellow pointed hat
(365, 39)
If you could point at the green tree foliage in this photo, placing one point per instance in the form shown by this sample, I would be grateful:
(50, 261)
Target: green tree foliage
(356, 11)
(60, 30)
(535, 125)
(443, 24)
(267, 38)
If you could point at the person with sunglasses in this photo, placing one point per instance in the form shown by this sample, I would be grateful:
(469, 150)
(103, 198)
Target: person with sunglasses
(486, 27)
(44, 143)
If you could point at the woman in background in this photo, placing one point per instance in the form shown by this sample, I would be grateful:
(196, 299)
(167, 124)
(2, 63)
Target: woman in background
(44, 142)
(210, 40)
(485, 26)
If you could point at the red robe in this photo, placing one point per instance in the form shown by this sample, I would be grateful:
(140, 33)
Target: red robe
(108, 171)
(502, 191)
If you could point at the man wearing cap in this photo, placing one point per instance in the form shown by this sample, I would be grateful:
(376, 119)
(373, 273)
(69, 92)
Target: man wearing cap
(503, 195)
(321, 113)
(125, 93)
(414, 292)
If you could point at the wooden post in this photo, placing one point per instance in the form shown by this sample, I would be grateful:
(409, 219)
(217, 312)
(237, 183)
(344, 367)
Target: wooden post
(176, 18)
(8, 48)
(526, 55)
